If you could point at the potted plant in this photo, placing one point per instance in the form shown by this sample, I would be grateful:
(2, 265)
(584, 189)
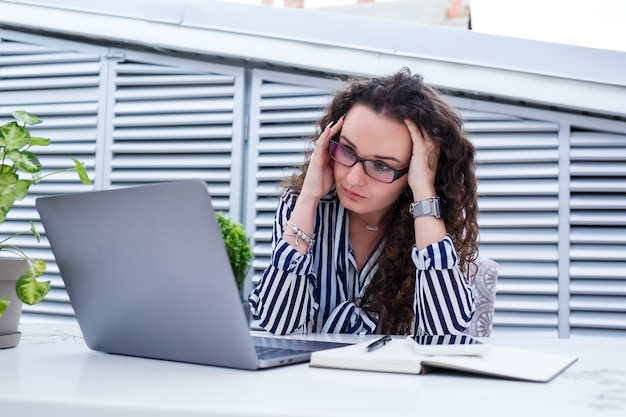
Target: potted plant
(237, 246)
(19, 170)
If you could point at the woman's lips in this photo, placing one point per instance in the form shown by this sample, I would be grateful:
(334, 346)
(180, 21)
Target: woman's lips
(353, 195)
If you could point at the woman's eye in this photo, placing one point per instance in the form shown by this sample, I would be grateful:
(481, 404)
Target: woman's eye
(347, 152)
(379, 166)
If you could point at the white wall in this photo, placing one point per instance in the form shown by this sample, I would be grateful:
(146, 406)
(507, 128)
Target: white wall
(596, 24)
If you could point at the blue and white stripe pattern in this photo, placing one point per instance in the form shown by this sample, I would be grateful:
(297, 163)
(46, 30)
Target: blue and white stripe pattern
(316, 292)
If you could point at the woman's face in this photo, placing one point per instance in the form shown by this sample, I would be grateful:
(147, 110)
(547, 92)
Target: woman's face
(385, 141)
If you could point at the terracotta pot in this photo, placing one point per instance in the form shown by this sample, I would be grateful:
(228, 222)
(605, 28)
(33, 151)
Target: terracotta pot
(10, 270)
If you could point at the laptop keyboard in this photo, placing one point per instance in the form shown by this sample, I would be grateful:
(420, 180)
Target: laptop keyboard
(268, 352)
(273, 348)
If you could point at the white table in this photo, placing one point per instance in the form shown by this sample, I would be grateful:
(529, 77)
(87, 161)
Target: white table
(57, 375)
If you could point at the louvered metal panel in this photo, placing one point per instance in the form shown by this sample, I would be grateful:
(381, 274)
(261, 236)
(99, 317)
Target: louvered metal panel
(283, 110)
(518, 188)
(175, 121)
(597, 236)
(59, 82)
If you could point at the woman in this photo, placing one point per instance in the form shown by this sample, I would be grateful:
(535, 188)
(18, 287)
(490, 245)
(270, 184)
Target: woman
(359, 244)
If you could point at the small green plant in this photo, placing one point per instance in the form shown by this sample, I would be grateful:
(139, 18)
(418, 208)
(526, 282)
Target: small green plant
(16, 158)
(237, 246)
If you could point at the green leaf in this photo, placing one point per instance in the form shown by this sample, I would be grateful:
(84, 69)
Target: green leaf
(37, 141)
(25, 161)
(7, 179)
(28, 289)
(4, 303)
(31, 291)
(20, 189)
(34, 231)
(26, 117)
(13, 136)
(6, 204)
(82, 172)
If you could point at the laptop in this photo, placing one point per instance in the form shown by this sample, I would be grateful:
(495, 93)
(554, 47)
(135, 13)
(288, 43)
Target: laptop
(148, 275)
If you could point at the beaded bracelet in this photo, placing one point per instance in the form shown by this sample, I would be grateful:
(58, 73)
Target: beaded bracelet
(309, 239)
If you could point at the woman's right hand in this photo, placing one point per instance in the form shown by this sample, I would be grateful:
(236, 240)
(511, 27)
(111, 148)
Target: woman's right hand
(320, 177)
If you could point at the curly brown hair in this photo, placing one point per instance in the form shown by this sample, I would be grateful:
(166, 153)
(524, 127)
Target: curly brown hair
(398, 97)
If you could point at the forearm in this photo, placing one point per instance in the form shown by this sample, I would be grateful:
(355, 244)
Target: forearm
(302, 217)
(281, 302)
(443, 302)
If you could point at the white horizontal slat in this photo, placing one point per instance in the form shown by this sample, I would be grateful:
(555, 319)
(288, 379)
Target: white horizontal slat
(296, 103)
(172, 147)
(286, 160)
(593, 139)
(295, 131)
(597, 270)
(598, 202)
(517, 156)
(519, 219)
(613, 185)
(50, 70)
(590, 303)
(518, 187)
(161, 133)
(282, 145)
(598, 218)
(606, 235)
(598, 320)
(525, 204)
(54, 57)
(175, 119)
(531, 304)
(157, 175)
(273, 89)
(209, 161)
(527, 286)
(603, 169)
(514, 141)
(287, 116)
(173, 92)
(26, 98)
(599, 154)
(174, 106)
(536, 252)
(598, 287)
(521, 236)
(597, 252)
(511, 126)
(515, 171)
(176, 76)
(21, 84)
(533, 269)
(528, 320)
(475, 115)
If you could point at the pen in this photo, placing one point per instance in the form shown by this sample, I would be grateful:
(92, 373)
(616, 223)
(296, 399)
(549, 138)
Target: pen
(378, 343)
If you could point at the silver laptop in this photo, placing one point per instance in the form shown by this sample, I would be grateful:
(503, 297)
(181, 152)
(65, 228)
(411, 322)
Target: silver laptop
(147, 274)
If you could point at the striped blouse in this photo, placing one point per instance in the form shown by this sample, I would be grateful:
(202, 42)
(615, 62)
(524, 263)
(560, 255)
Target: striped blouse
(317, 292)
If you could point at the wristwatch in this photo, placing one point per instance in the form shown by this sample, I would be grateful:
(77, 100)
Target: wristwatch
(427, 207)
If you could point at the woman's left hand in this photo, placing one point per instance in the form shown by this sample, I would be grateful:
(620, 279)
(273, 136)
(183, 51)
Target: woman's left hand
(423, 165)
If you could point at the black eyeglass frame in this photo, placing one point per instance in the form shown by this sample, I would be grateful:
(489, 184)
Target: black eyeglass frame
(396, 173)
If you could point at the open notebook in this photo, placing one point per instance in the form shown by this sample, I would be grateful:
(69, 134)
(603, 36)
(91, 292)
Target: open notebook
(397, 356)
(147, 274)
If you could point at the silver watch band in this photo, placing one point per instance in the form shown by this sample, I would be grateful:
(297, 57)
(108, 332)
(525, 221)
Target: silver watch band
(426, 207)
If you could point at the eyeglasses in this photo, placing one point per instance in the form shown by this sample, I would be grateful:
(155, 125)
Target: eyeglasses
(374, 169)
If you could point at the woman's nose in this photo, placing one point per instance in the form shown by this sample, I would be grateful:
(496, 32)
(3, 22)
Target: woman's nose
(356, 174)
